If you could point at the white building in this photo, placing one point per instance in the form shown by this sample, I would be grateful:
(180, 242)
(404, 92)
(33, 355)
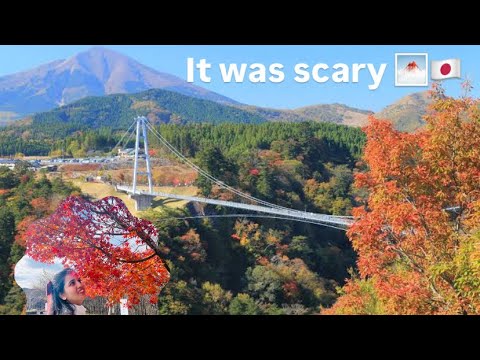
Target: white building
(8, 163)
(126, 153)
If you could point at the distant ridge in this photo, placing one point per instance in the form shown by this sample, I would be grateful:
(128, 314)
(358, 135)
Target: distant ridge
(334, 113)
(161, 106)
(117, 111)
(406, 113)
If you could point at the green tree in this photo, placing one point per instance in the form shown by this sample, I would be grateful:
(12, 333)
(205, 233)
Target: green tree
(243, 304)
(215, 299)
(265, 284)
(299, 248)
(14, 302)
(8, 180)
(212, 160)
(179, 298)
(7, 235)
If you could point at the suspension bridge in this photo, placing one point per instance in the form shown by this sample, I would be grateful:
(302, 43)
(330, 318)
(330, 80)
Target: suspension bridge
(143, 199)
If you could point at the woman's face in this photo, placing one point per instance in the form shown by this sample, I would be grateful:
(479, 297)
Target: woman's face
(74, 292)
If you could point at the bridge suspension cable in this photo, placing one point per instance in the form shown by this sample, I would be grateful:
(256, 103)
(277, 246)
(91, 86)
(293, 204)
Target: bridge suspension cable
(207, 175)
(143, 199)
(123, 137)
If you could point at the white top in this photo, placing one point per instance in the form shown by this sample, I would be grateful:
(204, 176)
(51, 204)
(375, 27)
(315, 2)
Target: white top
(80, 310)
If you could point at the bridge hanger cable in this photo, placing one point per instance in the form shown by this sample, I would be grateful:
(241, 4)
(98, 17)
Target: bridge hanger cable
(285, 213)
(208, 176)
(133, 123)
(205, 174)
(129, 138)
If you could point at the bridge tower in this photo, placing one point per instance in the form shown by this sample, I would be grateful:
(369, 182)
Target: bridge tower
(142, 201)
(141, 124)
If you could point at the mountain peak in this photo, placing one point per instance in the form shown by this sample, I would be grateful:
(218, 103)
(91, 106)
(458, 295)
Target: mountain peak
(95, 72)
(103, 52)
(113, 70)
(101, 49)
(412, 66)
(406, 114)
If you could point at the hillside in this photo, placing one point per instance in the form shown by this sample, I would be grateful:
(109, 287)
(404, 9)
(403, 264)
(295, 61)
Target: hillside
(118, 112)
(337, 113)
(95, 72)
(334, 113)
(161, 106)
(406, 113)
(37, 134)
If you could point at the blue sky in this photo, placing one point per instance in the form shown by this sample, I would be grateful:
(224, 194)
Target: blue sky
(29, 273)
(287, 94)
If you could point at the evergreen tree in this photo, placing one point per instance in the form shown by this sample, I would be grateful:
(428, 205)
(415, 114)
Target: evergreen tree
(7, 234)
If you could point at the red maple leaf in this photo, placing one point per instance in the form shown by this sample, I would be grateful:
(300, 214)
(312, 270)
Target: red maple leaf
(116, 253)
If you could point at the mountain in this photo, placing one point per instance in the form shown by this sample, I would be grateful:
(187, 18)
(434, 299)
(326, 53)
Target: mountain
(162, 106)
(335, 113)
(118, 111)
(406, 113)
(35, 134)
(35, 299)
(95, 72)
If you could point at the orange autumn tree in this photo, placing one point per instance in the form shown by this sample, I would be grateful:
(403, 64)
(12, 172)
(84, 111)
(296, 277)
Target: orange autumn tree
(418, 235)
(114, 252)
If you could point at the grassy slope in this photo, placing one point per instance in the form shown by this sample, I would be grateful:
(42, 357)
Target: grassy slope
(99, 190)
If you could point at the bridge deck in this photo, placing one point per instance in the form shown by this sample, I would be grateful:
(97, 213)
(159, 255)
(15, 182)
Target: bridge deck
(295, 214)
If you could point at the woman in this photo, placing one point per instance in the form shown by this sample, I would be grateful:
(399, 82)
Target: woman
(65, 294)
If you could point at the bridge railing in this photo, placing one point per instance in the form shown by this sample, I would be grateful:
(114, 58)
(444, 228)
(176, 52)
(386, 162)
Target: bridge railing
(291, 213)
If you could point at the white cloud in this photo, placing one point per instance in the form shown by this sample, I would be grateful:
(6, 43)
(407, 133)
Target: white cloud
(415, 77)
(28, 271)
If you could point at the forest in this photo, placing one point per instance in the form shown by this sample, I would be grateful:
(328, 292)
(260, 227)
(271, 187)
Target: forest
(414, 247)
(23, 197)
(93, 123)
(230, 265)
